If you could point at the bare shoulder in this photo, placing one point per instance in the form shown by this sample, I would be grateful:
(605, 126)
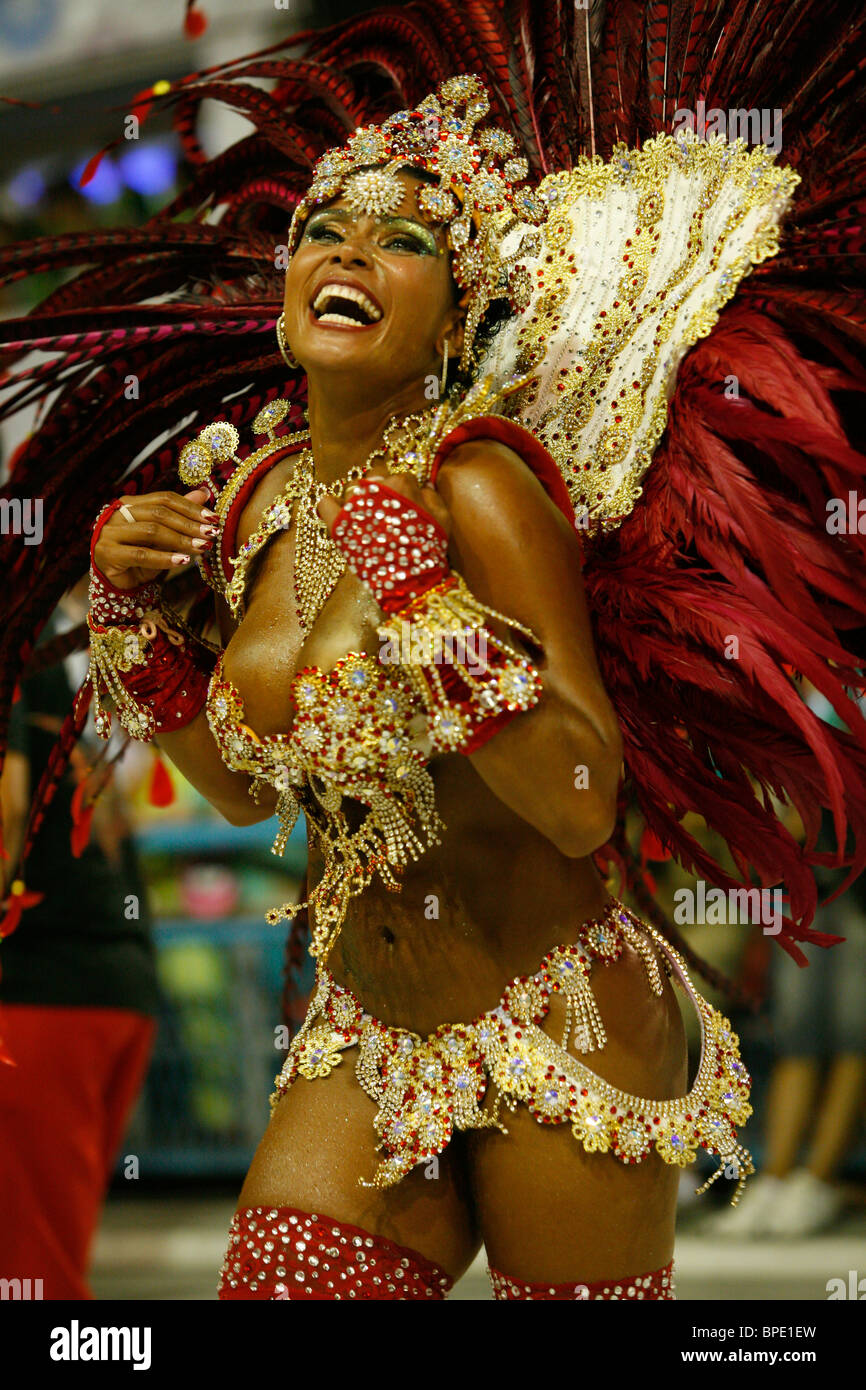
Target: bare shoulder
(480, 468)
(480, 452)
(495, 499)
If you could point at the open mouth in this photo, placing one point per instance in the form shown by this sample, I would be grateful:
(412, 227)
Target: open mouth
(344, 304)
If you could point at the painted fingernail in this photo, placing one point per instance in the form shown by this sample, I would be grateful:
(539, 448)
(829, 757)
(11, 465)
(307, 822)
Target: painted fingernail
(209, 531)
(200, 545)
(206, 511)
(180, 559)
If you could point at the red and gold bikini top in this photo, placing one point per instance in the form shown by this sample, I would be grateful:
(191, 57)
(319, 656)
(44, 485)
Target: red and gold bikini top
(358, 731)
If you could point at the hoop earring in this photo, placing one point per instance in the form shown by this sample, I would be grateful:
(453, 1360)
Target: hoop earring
(444, 368)
(286, 355)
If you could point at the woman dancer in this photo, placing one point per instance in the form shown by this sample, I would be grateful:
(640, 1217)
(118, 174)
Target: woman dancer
(376, 748)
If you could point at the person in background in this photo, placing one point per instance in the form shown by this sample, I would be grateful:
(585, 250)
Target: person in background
(78, 994)
(817, 1084)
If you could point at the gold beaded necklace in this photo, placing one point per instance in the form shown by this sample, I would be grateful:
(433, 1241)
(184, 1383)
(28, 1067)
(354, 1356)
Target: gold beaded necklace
(318, 563)
(409, 445)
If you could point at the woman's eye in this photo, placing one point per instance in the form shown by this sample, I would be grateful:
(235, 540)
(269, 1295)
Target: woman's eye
(411, 243)
(404, 241)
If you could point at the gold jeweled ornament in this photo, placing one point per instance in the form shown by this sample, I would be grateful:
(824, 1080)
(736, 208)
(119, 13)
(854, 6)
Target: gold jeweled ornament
(215, 444)
(481, 191)
(318, 563)
(637, 257)
(427, 1088)
(353, 735)
(375, 191)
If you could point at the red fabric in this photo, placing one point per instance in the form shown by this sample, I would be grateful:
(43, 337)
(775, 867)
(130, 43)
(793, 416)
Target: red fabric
(173, 683)
(364, 540)
(630, 1288)
(283, 1254)
(64, 1109)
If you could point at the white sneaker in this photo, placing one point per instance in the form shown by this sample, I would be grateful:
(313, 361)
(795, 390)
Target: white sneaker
(805, 1206)
(750, 1218)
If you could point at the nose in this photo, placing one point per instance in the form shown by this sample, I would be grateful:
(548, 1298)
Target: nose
(352, 250)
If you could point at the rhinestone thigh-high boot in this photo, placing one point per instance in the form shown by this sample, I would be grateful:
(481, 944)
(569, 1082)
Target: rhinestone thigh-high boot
(659, 1284)
(282, 1253)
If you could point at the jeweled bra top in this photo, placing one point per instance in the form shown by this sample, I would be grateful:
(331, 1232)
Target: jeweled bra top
(308, 765)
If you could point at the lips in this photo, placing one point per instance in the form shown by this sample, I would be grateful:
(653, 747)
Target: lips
(344, 303)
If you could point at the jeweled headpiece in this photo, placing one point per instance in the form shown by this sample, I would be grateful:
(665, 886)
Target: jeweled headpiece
(480, 196)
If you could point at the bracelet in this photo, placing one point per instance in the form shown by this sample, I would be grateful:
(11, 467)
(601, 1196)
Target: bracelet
(112, 607)
(156, 687)
(139, 655)
(467, 701)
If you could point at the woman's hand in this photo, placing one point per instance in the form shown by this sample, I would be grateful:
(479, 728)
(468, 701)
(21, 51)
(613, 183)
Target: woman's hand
(168, 530)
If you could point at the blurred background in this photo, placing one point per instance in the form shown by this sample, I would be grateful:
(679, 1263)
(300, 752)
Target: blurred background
(200, 1105)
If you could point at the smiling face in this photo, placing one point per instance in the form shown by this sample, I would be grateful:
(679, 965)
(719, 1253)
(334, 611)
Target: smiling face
(372, 296)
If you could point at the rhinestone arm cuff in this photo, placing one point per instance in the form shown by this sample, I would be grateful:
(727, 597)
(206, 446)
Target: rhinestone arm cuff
(471, 682)
(142, 655)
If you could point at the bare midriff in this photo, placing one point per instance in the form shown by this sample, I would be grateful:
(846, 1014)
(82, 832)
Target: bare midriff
(474, 911)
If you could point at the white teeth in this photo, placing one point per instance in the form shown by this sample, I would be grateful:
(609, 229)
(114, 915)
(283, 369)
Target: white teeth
(340, 318)
(336, 290)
